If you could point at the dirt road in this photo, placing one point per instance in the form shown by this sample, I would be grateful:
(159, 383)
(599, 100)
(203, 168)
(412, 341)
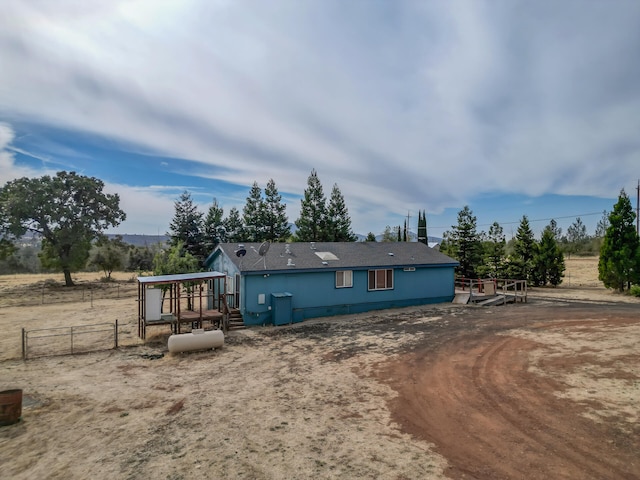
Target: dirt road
(492, 396)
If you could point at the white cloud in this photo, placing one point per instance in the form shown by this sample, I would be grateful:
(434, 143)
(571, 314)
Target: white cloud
(8, 168)
(405, 105)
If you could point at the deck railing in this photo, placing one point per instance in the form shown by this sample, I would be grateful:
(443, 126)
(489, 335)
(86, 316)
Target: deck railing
(491, 286)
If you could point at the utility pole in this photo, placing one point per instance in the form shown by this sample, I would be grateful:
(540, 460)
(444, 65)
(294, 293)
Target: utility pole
(408, 229)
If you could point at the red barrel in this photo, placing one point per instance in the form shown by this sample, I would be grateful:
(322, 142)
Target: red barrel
(10, 406)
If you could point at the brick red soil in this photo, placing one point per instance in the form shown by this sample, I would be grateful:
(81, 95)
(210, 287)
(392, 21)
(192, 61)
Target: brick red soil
(472, 394)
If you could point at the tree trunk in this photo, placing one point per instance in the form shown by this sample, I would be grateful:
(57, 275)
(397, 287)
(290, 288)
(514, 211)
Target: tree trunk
(67, 277)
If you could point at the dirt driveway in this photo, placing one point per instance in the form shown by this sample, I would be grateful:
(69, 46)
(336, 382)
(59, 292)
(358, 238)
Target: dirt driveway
(548, 389)
(545, 391)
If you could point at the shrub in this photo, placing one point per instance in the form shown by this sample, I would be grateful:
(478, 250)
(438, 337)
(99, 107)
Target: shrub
(635, 290)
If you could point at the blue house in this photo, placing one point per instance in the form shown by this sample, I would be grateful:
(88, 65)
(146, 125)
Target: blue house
(283, 283)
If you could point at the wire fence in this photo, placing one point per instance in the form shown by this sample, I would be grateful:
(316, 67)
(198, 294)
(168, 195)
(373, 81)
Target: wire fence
(46, 342)
(47, 293)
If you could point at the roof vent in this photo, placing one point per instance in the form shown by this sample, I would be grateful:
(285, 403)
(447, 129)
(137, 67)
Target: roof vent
(325, 263)
(390, 254)
(290, 263)
(313, 245)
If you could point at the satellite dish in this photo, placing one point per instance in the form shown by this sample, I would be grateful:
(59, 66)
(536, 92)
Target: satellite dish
(262, 251)
(240, 251)
(264, 248)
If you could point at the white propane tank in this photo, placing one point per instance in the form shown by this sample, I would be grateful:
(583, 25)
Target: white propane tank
(196, 340)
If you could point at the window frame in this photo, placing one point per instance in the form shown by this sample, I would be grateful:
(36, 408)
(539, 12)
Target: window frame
(343, 283)
(378, 277)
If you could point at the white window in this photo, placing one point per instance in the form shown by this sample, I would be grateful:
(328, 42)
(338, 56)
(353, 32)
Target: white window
(344, 278)
(381, 279)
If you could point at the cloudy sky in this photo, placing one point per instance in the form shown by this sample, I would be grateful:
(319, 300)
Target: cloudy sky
(512, 107)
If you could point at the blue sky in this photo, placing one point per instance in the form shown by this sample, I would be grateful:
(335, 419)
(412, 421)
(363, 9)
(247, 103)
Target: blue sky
(510, 107)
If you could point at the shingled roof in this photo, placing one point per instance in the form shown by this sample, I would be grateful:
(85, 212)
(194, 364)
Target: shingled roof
(333, 256)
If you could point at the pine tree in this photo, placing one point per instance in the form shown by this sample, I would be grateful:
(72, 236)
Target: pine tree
(371, 237)
(494, 253)
(465, 243)
(233, 226)
(577, 236)
(276, 223)
(548, 263)
(186, 227)
(253, 215)
(619, 264)
(338, 220)
(422, 227)
(213, 227)
(524, 250)
(312, 223)
(404, 232)
(603, 225)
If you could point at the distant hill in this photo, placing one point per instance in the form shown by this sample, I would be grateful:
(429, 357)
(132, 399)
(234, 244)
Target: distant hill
(141, 240)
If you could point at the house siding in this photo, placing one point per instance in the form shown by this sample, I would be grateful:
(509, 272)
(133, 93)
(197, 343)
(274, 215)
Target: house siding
(314, 293)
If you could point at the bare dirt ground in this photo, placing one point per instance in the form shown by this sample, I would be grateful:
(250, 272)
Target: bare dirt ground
(547, 389)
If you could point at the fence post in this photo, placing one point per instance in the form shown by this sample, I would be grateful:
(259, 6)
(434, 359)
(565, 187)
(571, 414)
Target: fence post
(24, 344)
(115, 334)
(71, 335)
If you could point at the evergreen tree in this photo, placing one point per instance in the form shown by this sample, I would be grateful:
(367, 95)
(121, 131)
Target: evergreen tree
(253, 215)
(603, 225)
(619, 264)
(494, 253)
(186, 227)
(577, 236)
(312, 223)
(549, 260)
(398, 231)
(233, 226)
(422, 227)
(465, 244)
(446, 245)
(524, 251)
(371, 237)
(276, 223)
(338, 220)
(213, 228)
(404, 232)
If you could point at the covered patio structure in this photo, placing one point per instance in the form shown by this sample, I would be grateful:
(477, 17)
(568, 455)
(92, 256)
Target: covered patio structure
(193, 298)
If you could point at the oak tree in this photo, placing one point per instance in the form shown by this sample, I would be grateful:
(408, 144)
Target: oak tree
(67, 210)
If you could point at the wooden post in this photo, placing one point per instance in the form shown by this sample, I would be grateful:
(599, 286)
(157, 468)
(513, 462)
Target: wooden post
(24, 344)
(115, 334)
